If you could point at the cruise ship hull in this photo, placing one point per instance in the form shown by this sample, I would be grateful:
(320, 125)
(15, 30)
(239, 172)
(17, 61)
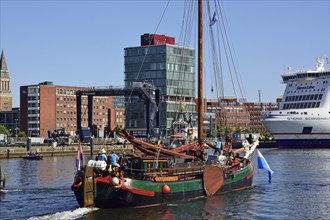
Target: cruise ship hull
(303, 143)
(299, 132)
(303, 118)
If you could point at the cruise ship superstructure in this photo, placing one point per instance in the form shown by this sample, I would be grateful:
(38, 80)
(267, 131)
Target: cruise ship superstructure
(303, 118)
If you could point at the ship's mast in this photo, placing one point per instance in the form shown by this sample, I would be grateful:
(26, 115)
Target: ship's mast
(200, 71)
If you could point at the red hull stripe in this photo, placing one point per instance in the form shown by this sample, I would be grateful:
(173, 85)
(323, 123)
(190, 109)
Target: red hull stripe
(250, 174)
(138, 191)
(106, 180)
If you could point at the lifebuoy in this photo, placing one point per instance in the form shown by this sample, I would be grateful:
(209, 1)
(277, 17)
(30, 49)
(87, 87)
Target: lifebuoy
(115, 184)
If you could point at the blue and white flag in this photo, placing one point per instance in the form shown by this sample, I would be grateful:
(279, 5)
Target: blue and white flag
(214, 19)
(262, 164)
(79, 159)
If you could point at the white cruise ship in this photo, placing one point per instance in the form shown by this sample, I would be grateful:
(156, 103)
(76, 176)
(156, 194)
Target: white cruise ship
(303, 118)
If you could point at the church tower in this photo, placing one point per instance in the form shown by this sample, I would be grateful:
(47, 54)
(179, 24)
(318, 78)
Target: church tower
(5, 92)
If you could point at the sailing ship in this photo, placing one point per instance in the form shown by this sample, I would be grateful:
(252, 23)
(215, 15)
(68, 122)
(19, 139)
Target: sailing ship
(182, 130)
(155, 174)
(302, 120)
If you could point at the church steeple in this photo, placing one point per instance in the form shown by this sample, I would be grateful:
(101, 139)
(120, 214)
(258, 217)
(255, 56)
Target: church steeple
(5, 91)
(3, 64)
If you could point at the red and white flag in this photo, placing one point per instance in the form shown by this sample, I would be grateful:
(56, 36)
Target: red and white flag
(79, 159)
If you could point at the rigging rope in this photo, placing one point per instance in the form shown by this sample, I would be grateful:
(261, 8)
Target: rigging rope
(146, 53)
(222, 42)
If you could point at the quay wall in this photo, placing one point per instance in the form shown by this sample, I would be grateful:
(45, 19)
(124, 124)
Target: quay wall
(8, 152)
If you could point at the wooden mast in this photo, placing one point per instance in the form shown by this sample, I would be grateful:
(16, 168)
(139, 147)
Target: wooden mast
(200, 71)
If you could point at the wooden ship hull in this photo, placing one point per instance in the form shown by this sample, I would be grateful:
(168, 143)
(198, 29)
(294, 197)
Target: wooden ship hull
(108, 192)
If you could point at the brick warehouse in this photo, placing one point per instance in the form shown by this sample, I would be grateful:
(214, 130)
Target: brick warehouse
(45, 106)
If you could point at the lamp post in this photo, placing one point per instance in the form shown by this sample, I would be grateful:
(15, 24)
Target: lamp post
(16, 128)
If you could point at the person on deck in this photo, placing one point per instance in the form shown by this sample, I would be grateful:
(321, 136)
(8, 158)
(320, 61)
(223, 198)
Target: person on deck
(101, 156)
(113, 159)
(217, 147)
(230, 143)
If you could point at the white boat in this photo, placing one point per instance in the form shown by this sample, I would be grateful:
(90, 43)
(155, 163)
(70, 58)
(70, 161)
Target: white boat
(303, 118)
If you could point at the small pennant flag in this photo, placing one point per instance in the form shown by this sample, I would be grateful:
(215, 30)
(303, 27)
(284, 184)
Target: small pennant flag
(262, 164)
(79, 158)
(214, 19)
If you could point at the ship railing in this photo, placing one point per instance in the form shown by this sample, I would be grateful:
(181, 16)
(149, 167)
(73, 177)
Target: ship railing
(180, 172)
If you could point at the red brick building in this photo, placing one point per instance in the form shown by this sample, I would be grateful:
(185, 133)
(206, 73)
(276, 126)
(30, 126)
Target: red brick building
(255, 110)
(46, 107)
(230, 113)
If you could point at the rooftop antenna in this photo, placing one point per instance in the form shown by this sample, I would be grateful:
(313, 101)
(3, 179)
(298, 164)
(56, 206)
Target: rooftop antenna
(320, 61)
(259, 93)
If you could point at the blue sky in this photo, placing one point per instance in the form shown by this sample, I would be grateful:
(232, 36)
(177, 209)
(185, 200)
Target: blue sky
(81, 43)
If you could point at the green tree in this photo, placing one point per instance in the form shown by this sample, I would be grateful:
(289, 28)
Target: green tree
(21, 134)
(4, 130)
(220, 130)
(264, 134)
(228, 130)
(238, 130)
(247, 130)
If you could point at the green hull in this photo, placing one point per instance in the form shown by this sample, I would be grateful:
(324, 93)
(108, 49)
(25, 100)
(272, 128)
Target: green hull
(137, 193)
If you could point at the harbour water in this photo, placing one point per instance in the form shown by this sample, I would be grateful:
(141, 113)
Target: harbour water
(300, 189)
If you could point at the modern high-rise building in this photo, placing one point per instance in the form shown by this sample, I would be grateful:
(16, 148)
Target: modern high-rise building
(5, 90)
(10, 119)
(171, 69)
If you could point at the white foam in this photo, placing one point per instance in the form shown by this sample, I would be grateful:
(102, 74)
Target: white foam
(66, 215)
(10, 190)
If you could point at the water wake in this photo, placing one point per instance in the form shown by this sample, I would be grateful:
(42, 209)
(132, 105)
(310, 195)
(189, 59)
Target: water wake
(10, 190)
(66, 215)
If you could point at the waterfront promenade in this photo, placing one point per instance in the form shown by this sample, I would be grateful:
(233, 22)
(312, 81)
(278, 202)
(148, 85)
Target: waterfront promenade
(8, 152)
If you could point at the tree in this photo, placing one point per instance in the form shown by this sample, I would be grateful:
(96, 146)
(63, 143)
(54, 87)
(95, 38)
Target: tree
(247, 130)
(238, 130)
(21, 134)
(4, 130)
(228, 130)
(264, 135)
(257, 130)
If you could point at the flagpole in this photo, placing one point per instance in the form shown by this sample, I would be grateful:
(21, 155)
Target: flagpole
(82, 158)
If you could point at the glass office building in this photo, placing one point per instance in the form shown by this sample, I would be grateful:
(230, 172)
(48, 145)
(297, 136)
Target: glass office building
(170, 68)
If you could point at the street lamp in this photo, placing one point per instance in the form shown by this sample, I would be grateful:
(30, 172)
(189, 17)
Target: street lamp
(16, 128)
